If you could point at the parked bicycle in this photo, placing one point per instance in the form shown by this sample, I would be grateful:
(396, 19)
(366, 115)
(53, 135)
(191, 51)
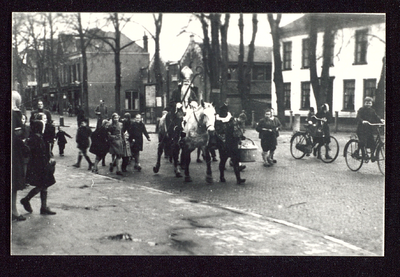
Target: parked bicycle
(355, 156)
(302, 144)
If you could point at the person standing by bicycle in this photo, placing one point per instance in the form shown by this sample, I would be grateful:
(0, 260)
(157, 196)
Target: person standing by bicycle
(325, 118)
(366, 115)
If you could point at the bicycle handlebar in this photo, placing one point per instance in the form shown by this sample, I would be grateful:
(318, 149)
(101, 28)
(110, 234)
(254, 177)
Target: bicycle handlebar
(376, 124)
(320, 119)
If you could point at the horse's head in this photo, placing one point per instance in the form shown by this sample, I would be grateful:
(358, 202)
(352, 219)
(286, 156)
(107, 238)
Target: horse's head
(209, 116)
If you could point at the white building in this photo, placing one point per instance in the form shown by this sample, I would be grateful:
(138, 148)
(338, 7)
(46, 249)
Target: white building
(356, 65)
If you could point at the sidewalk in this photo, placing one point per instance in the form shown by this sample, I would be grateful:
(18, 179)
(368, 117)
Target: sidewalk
(100, 215)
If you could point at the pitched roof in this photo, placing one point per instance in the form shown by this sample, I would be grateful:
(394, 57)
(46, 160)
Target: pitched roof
(262, 54)
(350, 20)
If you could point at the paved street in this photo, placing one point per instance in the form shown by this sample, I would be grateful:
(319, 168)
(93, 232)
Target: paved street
(296, 207)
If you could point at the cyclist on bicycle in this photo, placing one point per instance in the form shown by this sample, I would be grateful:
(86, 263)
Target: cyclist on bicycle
(366, 115)
(322, 125)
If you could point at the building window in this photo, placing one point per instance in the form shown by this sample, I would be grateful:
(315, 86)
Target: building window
(348, 94)
(305, 62)
(286, 99)
(287, 55)
(305, 95)
(78, 71)
(259, 73)
(232, 72)
(369, 88)
(361, 47)
(131, 100)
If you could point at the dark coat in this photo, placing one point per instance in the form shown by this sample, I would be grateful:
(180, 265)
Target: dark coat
(60, 136)
(38, 173)
(325, 126)
(49, 133)
(19, 151)
(82, 137)
(268, 138)
(100, 144)
(176, 96)
(46, 112)
(228, 137)
(365, 131)
(136, 132)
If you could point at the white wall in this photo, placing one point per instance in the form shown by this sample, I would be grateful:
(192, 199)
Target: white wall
(343, 68)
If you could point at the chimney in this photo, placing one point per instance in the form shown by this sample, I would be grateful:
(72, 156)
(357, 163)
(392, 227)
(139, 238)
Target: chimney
(145, 43)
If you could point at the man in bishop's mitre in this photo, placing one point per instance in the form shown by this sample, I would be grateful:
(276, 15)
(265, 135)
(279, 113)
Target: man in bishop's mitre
(185, 97)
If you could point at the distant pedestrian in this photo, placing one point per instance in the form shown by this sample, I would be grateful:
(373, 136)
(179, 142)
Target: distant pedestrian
(40, 173)
(326, 117)
(242, 119)
(70, 110)
(83, 143)
(40, 109)
(115, 139)
(100, 144)
(267, 128)
(101, 113)
(61, 140)
(136, 138)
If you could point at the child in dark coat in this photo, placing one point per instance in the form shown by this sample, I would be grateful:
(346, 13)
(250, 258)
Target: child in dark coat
(136, 132)
(61, 140)
(83, 142)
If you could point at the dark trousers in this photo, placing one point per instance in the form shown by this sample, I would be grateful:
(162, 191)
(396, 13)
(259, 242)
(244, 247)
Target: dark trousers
(61, 147)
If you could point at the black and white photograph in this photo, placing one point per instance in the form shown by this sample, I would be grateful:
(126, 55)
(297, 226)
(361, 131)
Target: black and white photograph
(198, 134)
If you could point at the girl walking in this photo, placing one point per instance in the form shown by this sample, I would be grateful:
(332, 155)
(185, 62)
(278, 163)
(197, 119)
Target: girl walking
(268, 128)
(115, 139)
(83, 142)
(100, 144)
(137, 131)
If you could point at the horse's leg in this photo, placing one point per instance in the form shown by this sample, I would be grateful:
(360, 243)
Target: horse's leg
(206, 151)
(185, 161)
(160, 148)
(175, 155)
(235, 159)
(223, 156)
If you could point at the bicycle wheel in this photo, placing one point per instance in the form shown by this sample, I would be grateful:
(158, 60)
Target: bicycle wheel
(380, 154)
(298, 144)
(329, 152)
(353, 155)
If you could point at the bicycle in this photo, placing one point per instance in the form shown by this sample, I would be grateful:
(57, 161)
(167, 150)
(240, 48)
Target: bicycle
(301, 144)
(352, 155)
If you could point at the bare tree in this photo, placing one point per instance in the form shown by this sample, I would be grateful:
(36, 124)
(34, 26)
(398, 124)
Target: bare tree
(241, 84)
(215, 57)
(157, 60)
(278, 77)
(321, 85)
(224, 58)
(250, 62)
(18, 52)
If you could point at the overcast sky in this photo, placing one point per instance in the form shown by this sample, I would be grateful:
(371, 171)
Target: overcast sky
(173, 46)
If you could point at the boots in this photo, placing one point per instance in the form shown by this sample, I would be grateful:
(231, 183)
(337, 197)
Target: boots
(78, 164)
(89, 161)
(44, 210)
(25, 201)
(264, 156)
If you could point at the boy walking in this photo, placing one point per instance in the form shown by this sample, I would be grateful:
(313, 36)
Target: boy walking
(61, 140)
(83, 141)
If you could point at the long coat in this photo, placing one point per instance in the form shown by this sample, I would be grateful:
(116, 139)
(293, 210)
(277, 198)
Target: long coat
(82, 137)
(115, 139)
(268, 138)
(136, 132)
(60, 136)
(100, 144)
(228, 134)
(37, 173)
(365, 131)
(19, 151)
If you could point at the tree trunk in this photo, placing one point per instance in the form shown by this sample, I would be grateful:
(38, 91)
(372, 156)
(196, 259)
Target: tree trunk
(117, 66)
(157, 61)
(240, 69)
(215, 58)
(313, 28)
(380, 97)
(224, 60)
(205, 51)
(250, 63)
(278, 78)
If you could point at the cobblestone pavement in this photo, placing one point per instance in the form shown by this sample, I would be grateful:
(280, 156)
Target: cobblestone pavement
(296, 207)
